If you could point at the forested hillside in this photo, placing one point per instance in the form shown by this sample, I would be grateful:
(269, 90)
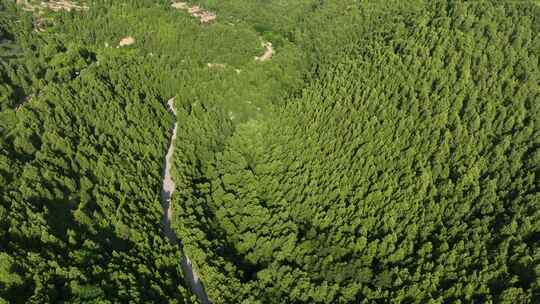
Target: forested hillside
(406, 171)
(80, 174)
(382, 152)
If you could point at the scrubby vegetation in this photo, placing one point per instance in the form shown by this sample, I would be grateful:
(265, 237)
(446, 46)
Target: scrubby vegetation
(389, 152)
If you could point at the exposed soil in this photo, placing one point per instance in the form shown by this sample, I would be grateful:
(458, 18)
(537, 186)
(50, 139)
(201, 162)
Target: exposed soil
(196, 11)
(39, 7)
(126, 41)
(268, 53)
(56, 6)
(64, 5)
(207, 16)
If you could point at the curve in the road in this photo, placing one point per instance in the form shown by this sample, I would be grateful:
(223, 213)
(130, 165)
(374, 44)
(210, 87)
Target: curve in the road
(169, 185)
(268, 53)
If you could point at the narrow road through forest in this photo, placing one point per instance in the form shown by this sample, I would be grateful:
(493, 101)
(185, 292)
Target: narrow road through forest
(166, 192)
(168, 184)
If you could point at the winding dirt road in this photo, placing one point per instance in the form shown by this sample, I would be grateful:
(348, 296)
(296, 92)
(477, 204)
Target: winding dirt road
(205, 16)
(269, 52)
(166, 192)
(169, 185)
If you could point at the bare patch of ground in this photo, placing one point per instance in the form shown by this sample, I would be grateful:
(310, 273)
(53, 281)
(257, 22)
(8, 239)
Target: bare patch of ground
(126, 41)
(268, 53)
(39, 6)
(196, 11)
(64, 5)
(206, 17)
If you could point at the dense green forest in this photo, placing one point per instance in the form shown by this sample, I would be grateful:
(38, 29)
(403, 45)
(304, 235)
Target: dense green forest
(386, 152)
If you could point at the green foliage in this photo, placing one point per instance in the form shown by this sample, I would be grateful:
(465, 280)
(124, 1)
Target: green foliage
(83, 132)
(7, 276)
(80, 163)
(407, 171)
(387, 153)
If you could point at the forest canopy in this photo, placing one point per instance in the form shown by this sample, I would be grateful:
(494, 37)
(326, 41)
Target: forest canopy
(385, 152)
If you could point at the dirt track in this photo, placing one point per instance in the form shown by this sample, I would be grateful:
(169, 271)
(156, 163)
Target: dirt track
(268, 53)
(168, 184)
(56, 6)
(205, 16)
(166, 192)
(195, 11)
